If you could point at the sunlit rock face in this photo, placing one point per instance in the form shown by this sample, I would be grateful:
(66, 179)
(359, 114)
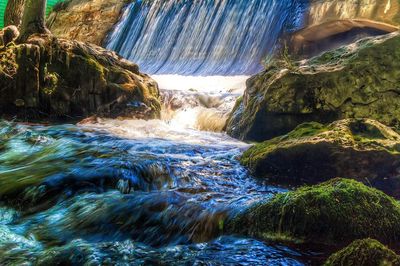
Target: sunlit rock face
(85, 20)
(379, 10)
(329, 35)
(330, 24)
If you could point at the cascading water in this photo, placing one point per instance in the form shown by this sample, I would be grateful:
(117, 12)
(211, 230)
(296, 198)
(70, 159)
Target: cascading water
(203, 37)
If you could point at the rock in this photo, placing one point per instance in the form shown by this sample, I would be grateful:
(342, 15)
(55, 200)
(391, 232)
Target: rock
(367, 252)
(357, 81)
(315, 39)
(335, 212)
(364, 150)
(79, 19)
(333, 23)
(8, 34)
(50, 78)
(387, 11)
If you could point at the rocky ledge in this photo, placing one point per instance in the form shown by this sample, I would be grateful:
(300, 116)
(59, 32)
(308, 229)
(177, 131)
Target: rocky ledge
(356, 81)
(52, 78)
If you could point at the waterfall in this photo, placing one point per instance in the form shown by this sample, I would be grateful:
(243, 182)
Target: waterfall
(203, 37)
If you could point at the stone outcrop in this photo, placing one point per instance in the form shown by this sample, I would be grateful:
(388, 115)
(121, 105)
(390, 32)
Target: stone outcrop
(329, 35)
(387, 11)
(335, 212)
(357, 81)
(85, 20)
(367, 252)
(51, 78)
(332, 23)
(364, 150)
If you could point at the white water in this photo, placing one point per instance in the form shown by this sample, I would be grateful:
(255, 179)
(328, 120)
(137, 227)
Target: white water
(190, 106)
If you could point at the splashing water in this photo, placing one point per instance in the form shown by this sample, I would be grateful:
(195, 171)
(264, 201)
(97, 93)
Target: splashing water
(201, 103)
(203, 37)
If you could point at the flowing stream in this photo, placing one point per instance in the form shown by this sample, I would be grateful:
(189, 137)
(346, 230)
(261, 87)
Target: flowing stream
(133, 192)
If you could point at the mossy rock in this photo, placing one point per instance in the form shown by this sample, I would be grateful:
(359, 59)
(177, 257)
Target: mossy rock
(366, 252)
(355, 81)
(335, 212)
(53, 79)
(362, 149)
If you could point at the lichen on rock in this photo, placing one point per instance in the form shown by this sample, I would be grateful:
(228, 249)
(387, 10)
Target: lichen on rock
(367, 252)
(362, 149)
(335, 212)
(61, 79)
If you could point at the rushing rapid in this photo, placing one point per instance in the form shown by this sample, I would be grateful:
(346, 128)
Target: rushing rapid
(133, 192)
(204, 37)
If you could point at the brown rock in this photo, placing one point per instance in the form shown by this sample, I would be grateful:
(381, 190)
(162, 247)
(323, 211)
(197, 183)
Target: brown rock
(387, 11)
(85, 20)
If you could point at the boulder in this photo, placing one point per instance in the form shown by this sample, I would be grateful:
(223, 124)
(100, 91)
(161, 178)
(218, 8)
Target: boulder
(335, 212)
(79, 19)
(367, 252)
(356, 81)
(361, 149)
(51, 78)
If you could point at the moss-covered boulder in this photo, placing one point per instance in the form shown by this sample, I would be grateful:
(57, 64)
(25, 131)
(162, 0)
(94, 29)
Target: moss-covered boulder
(362, 149)
(335, 212)
(47, 77)
(356, 81)
(367, 252)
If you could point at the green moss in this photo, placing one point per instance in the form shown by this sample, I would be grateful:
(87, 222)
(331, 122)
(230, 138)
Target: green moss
(238, 102)
(95, 64)
(8, 65)
(50, 82)
(337, 211)
(256, 153)
(367, 252)
(362, 134)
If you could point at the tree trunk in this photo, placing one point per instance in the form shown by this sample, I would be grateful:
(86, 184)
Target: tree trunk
(33, 19)
(13, 13)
